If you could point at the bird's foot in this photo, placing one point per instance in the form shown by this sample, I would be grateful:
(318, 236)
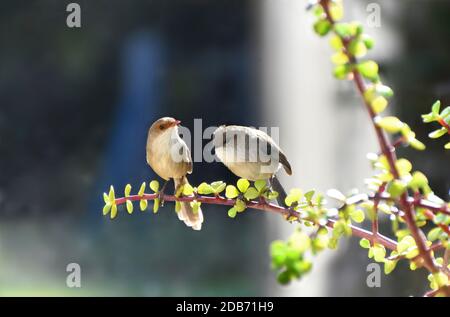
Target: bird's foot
(262, 200)
(161, 194)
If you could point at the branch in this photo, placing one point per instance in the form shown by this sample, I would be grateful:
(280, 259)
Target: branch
(389, 152)
(262, 206)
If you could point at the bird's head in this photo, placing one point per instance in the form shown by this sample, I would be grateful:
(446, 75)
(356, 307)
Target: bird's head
(163, 125)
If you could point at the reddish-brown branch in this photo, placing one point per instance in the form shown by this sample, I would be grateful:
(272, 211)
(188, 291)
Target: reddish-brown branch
(399, 142)
(444, 124)
(389, 152)
(444, 290)
(376, 201)
(416, 202)
(263, 206)
(430, 216)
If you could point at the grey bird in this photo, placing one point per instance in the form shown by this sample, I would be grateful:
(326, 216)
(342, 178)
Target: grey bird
(252, 154)
(170, 158)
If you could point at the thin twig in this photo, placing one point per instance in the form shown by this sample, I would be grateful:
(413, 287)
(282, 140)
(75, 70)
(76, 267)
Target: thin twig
(263, 206)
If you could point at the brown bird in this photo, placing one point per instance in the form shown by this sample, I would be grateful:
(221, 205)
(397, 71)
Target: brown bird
(252, 154)
(170, 158)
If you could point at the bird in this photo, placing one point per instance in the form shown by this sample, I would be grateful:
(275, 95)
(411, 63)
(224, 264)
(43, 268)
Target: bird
(170, 158)
(251, 154)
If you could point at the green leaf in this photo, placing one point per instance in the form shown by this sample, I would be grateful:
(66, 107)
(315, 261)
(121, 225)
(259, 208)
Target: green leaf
(368, 41)
(106, 198)
(389, 266)
(357, 48)
(390, 124)
(378, 104)
(113, 213)
(111, 195)
(195, 206)
(441, 279)
(300, 241)
(333, 243)
(218, 186)
(154, 185)
(341, 71)
(403, 166)
(379, 252)
(416, 144)
(278, 250)
(322, 27)
(129, 206)
(188, 190)
(339, 58)
(364, 243)
(343, 30)
(436, 107)
(368, 69)
(205, 189)
(143, 204)
(232, 212)
(251, 193)
(317, 10)
(156, 203)
(384, 91)
(434, 234)
(271, 195)
(294, 196)
(142, 190)
(357, 215)
(445, 114)
(284, 277)
(447, 146)
(260, 185)
(240, 205)
(396, 188)
(336, 10)
(242, 185)
(231, 192)
(437, 133)
(309, 195)
(405, 243)
(429, 117)
(127, 190)
(106, 208)
(336, 43)
(418, 181)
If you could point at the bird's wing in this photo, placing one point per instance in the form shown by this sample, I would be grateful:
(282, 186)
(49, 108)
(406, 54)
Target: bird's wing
(187, 158)
(274, 150)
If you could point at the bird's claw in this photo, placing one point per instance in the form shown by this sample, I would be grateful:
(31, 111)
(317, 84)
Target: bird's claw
(161, 194)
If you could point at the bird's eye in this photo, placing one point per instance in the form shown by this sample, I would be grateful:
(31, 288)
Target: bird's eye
(161, 127)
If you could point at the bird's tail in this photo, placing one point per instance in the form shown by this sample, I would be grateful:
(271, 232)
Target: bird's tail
(276, 185)
(186, 213)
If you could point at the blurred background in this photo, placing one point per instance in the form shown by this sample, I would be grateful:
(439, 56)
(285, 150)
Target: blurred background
(76, 104)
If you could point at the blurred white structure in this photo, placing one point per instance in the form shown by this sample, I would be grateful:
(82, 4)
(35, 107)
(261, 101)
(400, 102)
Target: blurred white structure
(324, 130)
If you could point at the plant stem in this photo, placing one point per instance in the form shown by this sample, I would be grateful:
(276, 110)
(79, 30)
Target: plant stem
(389, 152)
(263, 206)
